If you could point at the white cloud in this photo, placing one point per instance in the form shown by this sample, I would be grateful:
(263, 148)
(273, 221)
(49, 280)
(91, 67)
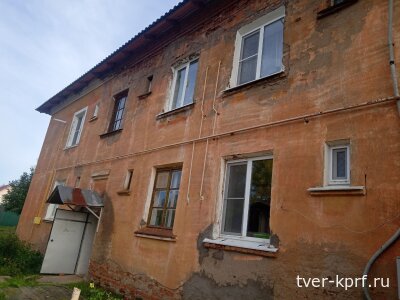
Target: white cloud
(44, 46)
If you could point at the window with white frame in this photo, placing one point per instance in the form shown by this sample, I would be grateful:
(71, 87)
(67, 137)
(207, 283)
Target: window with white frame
(51, 208)
(338, 163)
(259, 48)
(76, 128)
(128, 180)
(184, 83)
(247, 198)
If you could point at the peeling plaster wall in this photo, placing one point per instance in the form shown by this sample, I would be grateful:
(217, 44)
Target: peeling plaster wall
(333, 62)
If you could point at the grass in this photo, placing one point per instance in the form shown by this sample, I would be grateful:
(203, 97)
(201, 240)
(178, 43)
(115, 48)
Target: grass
(5, 230)
(90, 292)
(19, 281)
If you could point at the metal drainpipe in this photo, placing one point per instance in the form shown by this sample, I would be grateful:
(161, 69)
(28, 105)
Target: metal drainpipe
(396, 94)
(374, 257)
(391, 54)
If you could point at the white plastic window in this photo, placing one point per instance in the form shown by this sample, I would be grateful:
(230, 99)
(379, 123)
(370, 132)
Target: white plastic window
(51, 208)
(184, 84)
(259, 49)
(339, 164)
(247, 198)
(76, 128)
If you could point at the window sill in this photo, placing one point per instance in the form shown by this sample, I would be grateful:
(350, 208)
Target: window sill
(124, 192)
(334, 8)
(259, 81)
(337, 190)
(144, 96)
(175, 111)
(242, 246)
(71, 147)
(110, 133)
(156, 234)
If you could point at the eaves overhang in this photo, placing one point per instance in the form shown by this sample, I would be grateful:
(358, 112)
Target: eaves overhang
(104, 68)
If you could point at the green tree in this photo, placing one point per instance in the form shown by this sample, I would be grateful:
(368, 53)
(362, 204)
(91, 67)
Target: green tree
(15, 198)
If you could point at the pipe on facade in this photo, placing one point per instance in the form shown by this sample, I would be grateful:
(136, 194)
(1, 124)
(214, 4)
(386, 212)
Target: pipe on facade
(396, 94)
(213, 132)
(375, 256)
(302, 118)
(391, 54)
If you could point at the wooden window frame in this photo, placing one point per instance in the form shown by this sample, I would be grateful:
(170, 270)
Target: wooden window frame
(167, 189)
(117, 99)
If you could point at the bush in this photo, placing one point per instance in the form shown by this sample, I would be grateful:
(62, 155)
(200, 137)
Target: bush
(17, 258)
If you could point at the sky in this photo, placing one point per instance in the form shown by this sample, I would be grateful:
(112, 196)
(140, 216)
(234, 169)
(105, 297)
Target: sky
(44, 46)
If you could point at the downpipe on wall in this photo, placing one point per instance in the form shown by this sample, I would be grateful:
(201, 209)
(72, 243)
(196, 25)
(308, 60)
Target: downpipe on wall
(391, 54)
(396, 235)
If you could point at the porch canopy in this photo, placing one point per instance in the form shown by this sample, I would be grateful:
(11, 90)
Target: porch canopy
(75, 196)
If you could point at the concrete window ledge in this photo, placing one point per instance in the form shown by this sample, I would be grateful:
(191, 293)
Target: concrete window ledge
(144, 96)
(160, 234)
(337, 190)
(270, 78)
(110, 133)
(124, 192)
(334, 8)
(175, 111)
(241, 246)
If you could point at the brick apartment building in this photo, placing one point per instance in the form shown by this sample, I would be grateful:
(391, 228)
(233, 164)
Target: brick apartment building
(226, 149)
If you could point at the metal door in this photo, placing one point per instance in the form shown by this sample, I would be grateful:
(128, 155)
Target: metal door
(65, 242)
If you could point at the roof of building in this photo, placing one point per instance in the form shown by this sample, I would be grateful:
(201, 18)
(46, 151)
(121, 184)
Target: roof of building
(4, 187)
(106, 66)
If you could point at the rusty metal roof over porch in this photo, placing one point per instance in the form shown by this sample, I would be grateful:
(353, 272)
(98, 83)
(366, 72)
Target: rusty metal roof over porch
(75, 196)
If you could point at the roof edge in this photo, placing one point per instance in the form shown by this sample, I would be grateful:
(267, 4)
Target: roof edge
(102, 69)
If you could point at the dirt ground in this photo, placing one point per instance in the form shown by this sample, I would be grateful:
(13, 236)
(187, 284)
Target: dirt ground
(54, 290)
(38, 293)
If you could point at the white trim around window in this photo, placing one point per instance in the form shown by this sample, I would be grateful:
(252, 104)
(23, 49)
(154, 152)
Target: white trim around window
(52, 208)
(244, 186)
(258, 53)
(337, 163)
(76, 128)
(183, 84)
(247, 185)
